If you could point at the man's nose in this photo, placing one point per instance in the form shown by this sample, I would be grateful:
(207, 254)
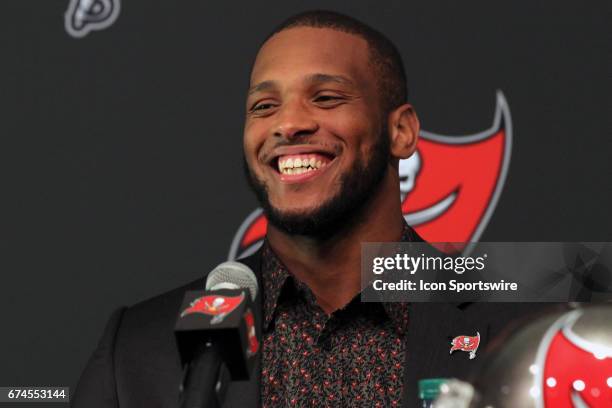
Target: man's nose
(294, 120)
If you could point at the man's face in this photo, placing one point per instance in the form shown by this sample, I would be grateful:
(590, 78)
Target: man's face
(315, 141)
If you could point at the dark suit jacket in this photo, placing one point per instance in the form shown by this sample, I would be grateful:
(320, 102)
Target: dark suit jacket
(136, 363)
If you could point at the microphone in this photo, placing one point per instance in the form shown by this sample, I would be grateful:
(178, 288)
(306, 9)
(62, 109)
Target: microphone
(232, 275)
(217, 335)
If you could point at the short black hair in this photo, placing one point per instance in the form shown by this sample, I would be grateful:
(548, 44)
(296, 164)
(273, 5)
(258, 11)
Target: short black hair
(384, 56)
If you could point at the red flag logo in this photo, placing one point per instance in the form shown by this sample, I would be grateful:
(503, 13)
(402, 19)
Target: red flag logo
(466, 343)
(214, 305)
(573, 372)
(249, 319)
(449, 187)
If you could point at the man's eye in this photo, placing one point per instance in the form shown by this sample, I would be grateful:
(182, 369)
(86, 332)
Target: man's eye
(261, 107)
(327, 98)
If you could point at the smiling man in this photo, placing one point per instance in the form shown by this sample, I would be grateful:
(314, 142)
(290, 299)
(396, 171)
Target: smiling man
(327, 122)
(323, 138)
(326, 125)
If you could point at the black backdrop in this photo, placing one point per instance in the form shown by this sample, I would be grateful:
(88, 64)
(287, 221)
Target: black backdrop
(120, 152)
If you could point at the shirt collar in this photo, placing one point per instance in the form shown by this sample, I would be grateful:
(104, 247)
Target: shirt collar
(276, 275)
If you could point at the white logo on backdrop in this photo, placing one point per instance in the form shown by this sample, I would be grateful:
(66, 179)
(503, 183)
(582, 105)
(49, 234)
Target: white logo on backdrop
(84, 16)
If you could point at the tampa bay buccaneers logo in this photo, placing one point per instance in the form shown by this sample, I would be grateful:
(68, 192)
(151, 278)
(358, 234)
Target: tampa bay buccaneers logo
(217, 306)
(573, 371)
(449, 187)
(253, 343)
(468, 344)
(84, 16)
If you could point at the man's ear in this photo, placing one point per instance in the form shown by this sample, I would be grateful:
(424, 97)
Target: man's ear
(403, 125)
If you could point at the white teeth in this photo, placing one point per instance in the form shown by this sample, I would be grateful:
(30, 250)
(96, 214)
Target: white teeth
(300, 165)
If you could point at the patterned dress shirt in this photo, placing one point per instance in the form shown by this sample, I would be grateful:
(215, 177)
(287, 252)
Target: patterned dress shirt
(351, 358)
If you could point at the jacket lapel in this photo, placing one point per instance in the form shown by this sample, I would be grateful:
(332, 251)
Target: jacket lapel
(431, 328)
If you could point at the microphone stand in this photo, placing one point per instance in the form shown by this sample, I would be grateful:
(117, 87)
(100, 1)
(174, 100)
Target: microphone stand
(206, 379)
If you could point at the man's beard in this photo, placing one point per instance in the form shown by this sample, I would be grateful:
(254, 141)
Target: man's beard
(343, 210)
